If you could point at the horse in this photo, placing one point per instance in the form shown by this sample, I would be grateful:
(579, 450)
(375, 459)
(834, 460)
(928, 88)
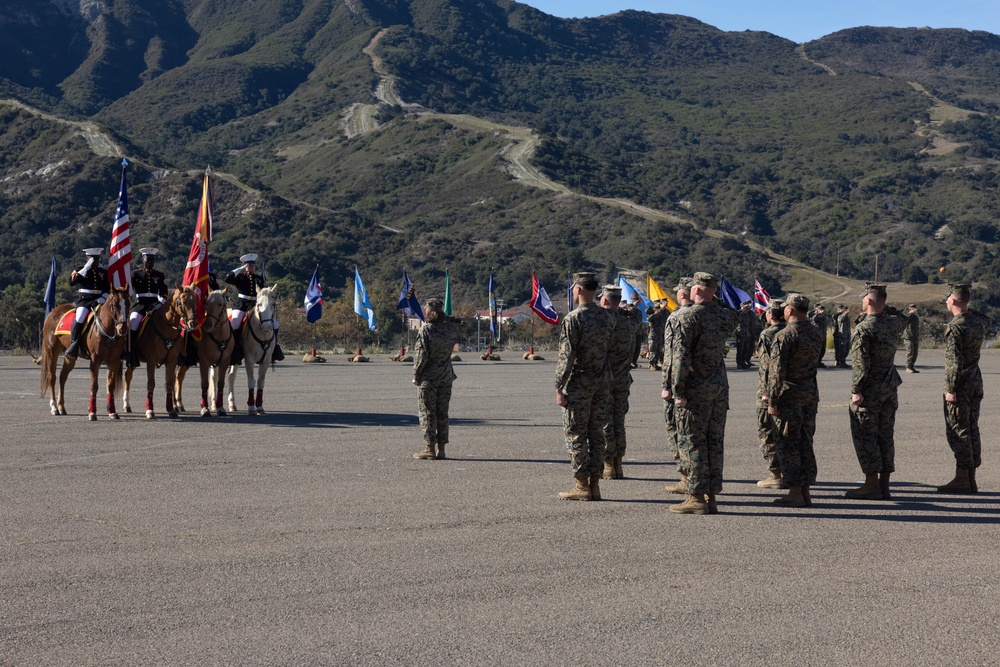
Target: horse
(258, 346)
(158, 345)
(215, 348)
(103, 341)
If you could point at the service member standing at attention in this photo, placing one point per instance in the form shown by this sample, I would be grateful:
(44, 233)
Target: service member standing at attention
(874, 393)
(620, 347)
(775, 316)
(246, 281)
(911, 336)
(92, 288)
(657, 320)
(819, 318)
(746, 335)
(793, 398)
(842, 335)
(150, 288)
(700, 390)
(683, 297)
(583, 379)
(963, 388)
(434, 375)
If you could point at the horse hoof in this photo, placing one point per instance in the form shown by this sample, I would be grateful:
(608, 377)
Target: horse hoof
(173, 414)
(149, 414)
(62, 411)
(114, 415)
(128, 409)
(220, 412)
(180, 408)
(55, 412)
(260, 411)
(205, 412)
(92, 417)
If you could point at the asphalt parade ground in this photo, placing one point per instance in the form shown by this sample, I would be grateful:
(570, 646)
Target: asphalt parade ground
(310, 536)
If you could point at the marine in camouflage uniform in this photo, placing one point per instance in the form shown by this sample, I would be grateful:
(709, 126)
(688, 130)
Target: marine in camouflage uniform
(433, 374)
(775, 315)
(657, 320)
(793, 398)
(911, 337)
(700, 389)
(821, 320)
(842, 335)
(874, 383)
(583, 378)
(963, 388)
(746, 335)
(683, 292)
(620, 347)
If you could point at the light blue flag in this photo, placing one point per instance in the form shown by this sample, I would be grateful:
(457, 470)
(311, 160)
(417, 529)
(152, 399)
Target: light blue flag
(628, 291)
(362, 305)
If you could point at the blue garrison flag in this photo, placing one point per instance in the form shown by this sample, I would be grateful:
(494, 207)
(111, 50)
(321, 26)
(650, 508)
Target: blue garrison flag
(731, 294)
(362, 304)
(408, 301)
(314, 299)
(50, 289)
(628, 291)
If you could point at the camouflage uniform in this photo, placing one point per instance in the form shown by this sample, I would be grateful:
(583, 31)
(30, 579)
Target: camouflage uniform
(669, 350)
(745, 337)
(911, 337)
(792, 390)
(819, 319)
(874, 376)
(620, 348)
(963, 339)
(842, 337)
(698, 374)
(765, 423)
(584, 376)
(434, 375)
(656, 323)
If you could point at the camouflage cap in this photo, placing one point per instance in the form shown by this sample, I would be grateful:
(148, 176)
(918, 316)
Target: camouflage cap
(776, 304)
(912, 305)
(585, 279)
(961, 290)
(435, 303)
(612, 291)
(703, 279)
(797, 301)
(684, 283)
(746, 303)
(875, 289)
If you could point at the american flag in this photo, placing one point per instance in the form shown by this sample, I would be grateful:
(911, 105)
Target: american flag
(120, 263)
(760, 297)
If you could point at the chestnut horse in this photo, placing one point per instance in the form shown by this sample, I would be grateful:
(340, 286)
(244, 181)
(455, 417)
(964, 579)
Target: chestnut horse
(258, 346)
(160, 343)
(214, 351)
(103, 341)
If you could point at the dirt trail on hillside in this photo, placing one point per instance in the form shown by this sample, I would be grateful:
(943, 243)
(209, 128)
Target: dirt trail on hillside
(801, 50)
(99, 142)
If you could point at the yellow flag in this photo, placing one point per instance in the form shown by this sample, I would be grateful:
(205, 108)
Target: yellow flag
(655, 292)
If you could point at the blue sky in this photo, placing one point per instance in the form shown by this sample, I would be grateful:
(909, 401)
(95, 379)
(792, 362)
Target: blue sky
(800, 20)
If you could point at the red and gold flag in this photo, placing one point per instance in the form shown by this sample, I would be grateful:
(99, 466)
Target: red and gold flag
(196, 271)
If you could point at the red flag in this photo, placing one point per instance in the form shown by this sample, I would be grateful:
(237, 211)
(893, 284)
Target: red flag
(760, 297)
(120, 263)
(196, 272)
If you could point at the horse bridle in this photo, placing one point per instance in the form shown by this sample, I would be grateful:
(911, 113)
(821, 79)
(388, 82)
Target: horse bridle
(219, 322)
(168, 342)
(264, 344)
(118, 318)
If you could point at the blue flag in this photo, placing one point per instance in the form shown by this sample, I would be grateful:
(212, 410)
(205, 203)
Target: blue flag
(362, 305)
(569, 292)
(540, 303)
(731, 294)
(314, 299)
(494, 322)
(627, 295)
(50, 289)
(408, 301)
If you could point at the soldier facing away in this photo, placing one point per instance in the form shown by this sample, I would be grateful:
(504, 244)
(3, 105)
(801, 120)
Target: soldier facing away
(963, 388)
(911, 337)
(657, 320)
(683, 297)
(746, 335)
(821, 320)
(775, 316)
(434, 375)
(620, 348)
(842, 335)
(583, 379)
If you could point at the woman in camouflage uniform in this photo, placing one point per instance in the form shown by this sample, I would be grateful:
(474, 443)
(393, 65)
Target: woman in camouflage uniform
(433, 374)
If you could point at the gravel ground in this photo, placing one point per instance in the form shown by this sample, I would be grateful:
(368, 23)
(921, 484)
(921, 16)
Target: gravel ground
(310, 536)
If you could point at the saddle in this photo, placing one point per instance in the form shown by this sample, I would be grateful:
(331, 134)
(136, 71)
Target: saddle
(64, 327)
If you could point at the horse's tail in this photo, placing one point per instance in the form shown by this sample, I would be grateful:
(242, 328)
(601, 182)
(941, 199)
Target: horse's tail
(46, 363)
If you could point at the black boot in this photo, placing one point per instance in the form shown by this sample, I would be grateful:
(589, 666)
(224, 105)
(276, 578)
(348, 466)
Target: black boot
(237, 358)
(74, 342)
(277, 355)
(133, 349)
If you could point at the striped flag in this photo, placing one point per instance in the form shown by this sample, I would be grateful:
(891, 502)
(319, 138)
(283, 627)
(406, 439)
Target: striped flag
(120, 263)
(196, 271)
(540, 303)
(760, 297)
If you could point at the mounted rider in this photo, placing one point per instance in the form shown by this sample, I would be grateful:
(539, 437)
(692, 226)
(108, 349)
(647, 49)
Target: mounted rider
(246, 281)
(92, 288)
(151, 289)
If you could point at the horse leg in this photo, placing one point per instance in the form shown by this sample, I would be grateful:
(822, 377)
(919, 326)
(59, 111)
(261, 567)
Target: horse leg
(67, 366)
(170, 370)
(260, 388)
(150, 386)
(128, 381)
(95, 368)
(251, 383)
(50, 380)
(230, 394)
(218, 376)
(178, 398)
(113, 374)
(206, 407)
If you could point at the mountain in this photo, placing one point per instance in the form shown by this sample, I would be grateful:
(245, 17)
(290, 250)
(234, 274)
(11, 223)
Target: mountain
(479, 134)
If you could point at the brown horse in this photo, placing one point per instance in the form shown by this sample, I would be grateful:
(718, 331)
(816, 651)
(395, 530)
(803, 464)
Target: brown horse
(160, 342)
(103, 341)
(214, 351)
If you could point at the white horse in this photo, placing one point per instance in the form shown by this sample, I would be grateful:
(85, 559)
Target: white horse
(258, 346)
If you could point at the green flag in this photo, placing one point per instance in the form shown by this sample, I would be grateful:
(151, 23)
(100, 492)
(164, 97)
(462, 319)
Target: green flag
(447, 293)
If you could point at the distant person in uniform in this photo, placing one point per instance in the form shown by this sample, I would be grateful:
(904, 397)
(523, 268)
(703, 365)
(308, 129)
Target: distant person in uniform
(683, 297)
(657, 319)
(620, 347)
(92, 288)
(775, 318)
(963, 388)
(246, 281)
(820, 319)
(434, 375)
(746, 335)
(150, 286)
(911, 337)
(842, 335)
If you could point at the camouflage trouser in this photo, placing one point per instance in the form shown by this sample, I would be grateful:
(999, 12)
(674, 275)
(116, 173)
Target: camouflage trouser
(841, 348)
(795, 426)
(614, 429)
(701, 430)
(961, 426)
(434, 413)
(655, 351)
(744, 350)
(912, 347)
(765, 433)
(872, 426)
(583, 424)
(668, 416)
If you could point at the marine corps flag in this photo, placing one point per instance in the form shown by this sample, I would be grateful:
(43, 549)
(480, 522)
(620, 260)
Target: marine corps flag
(657, 293)
(541, 304)
(196, 271)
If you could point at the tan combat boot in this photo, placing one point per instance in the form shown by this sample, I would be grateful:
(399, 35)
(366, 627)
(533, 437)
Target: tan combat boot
(713, 507)
(772, 481)
(595, 486)
(960, 484)
(426, 453)
(580, 490)
(870, 490)
(695, 504)
(883, 485)
(619, 473)
(440, 453)
(677, 487)
(793, 499)
(609, 469)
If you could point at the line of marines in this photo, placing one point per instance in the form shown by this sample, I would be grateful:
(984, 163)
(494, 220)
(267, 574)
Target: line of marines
(92, 286)
(597, 346)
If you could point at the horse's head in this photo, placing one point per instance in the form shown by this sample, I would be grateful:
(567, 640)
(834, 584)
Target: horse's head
(119, 305)
(184, 303)
(265, 304)
(215, 309)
